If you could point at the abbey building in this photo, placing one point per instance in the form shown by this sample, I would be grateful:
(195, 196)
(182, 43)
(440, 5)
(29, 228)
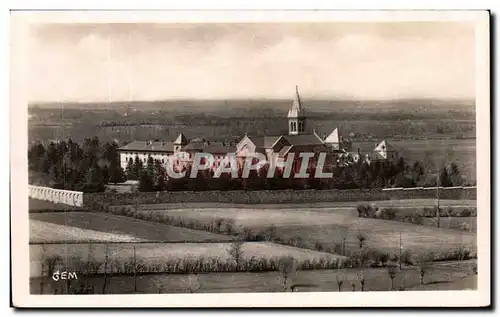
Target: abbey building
(299, 139)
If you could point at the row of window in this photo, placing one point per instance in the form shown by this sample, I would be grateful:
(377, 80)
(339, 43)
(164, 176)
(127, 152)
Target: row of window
(294, 126)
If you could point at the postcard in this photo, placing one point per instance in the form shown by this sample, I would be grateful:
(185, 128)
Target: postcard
(250, 158)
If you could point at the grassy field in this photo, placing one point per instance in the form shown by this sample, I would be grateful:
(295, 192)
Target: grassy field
(457, 223)
(449, 276)
(90, 227)
(161, 252)
(331, 227)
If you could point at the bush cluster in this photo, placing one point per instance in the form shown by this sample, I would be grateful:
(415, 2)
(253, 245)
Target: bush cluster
(431, 212)
(373, 211)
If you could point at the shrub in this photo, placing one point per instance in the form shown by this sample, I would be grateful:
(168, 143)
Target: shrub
(367, 210)
(406, 257)
(270, 233)
(429, 212)
(318, 246)
(389, 213)
(218, 225)
(465, 213)
(416, 219)
(230, 224)
(51, 263)
(462, 253)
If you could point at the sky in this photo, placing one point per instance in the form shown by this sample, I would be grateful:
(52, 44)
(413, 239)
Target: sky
(376, 61)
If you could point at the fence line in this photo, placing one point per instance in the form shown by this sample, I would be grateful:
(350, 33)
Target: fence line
(58, 196)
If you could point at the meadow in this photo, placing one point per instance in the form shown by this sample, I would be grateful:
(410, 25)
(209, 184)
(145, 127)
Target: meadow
(329, 227)
(81, 227)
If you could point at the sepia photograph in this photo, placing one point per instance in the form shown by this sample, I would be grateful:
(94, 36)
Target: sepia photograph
(236, 158)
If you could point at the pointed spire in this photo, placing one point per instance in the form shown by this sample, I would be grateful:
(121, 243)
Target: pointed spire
(296, 110)
(296, 101)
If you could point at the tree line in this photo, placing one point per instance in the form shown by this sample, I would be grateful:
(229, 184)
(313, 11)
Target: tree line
(89, 166)
(86, 167)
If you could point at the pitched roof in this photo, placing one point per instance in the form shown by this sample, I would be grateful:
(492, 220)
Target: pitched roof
(303, 139)
(181, 139)
(148, 146)
(374, 149)
(333, 137)
(264, 141)
(210, 147)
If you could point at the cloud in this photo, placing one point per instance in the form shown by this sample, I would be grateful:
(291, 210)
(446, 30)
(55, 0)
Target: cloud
(147, 61)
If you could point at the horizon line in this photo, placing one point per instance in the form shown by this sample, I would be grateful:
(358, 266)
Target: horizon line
(450, 99)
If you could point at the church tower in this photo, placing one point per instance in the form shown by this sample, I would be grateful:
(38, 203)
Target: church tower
(296, 116)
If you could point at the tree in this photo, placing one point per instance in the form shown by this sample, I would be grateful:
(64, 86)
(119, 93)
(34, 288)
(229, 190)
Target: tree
(236, 253)
(361, 237)
(146, 183)
(230, 226)
(392, 271)
(117, 175)
(138, 167)
(130, 169)
(161, 183)
(94, 180)
(423, 261)
(444, 178)
(150, 166)
(455, 176)
(417, 172)
(287, 268)
(340, 281)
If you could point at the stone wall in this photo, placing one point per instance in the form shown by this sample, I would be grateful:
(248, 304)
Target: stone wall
(58, 196)
(276, 196)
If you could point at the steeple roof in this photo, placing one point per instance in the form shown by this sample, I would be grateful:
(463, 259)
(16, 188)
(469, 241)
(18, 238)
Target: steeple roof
(296, 111)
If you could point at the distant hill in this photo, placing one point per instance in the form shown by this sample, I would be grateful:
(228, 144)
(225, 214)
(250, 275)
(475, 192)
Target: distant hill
(257, 105)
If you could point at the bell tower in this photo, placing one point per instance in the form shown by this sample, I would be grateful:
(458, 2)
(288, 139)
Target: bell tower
(296, 115)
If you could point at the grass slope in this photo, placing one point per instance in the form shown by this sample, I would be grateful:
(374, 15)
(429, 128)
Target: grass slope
(331, 227)
(90, 226)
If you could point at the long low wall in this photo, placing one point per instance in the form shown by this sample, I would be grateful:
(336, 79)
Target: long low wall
(58, 196)
(275, 196)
